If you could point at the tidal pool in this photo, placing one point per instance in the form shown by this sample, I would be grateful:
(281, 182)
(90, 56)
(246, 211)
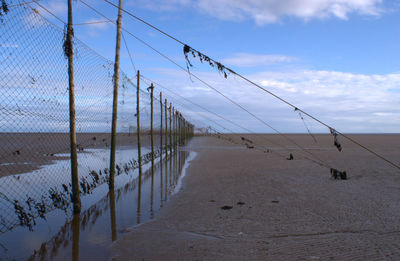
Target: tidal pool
(60, 235)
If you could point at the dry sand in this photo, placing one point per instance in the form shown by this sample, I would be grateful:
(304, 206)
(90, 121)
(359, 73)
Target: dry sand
(292, 210)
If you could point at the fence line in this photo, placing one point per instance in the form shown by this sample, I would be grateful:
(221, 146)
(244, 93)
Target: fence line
(34, 116)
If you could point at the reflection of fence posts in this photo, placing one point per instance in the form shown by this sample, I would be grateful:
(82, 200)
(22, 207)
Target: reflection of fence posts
(115, 98)
(76, 228)
(113, 217)
(68, 50)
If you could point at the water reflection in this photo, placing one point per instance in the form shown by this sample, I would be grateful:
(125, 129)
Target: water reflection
(85, 236)
(76, 229)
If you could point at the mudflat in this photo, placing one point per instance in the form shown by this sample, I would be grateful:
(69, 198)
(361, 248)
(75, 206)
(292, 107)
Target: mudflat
(23, 152)
(240, 203)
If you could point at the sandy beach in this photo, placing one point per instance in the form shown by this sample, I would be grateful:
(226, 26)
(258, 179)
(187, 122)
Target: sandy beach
(243, 204)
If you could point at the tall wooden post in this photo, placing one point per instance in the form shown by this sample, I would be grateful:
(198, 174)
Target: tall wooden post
(170, 128)
(151, 127)
(152, 150)
(166, 129)
(68, 50)
(161, 149)
(174, 114)
(115, 98)
(166, 151)
(138, 134)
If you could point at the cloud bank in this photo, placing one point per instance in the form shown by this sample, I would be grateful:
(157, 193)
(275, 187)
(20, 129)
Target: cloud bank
(350, 102)
(271, 11)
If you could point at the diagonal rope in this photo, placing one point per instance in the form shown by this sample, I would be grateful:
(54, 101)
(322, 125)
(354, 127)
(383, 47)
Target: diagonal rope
(211, 87)
(262, 88)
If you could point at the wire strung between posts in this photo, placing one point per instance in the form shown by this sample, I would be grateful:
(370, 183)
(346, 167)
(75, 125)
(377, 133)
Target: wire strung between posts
(129, 53)
(175, 102)
(47, 10)
(229, 130)
(24, 3)
(221, 117)
(211, 87)
(222, 67)
(305, 125)
(320, 162)
(96, 22)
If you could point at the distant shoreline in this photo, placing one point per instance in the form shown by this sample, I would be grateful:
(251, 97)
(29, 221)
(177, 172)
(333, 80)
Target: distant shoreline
(27, 151)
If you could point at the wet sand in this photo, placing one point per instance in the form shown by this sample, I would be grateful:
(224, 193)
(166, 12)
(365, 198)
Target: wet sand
(281, 209)
(24, 152)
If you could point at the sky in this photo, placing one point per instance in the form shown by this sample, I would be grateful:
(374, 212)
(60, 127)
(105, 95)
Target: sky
(338, 60)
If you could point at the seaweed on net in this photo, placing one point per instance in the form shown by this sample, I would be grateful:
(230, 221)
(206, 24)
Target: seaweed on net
(3, 8)
(202, 57)
(68, 45)
(336, 140)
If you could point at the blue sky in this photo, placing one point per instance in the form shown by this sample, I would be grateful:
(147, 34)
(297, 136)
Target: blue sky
(338, 60)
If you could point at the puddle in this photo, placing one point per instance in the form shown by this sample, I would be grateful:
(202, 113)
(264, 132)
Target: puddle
(105, 215)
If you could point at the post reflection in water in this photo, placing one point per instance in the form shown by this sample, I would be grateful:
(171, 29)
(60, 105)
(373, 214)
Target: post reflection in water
(161, 180)
(84, 237)
(76, 229)
(139, 198)
(113, 218)
(152, 190)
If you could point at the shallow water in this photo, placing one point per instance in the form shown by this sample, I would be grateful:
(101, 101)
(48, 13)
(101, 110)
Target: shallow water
(105, 214)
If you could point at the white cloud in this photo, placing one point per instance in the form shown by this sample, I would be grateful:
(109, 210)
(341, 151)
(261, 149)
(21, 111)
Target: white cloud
(58, 7)
(253, 60)
(270, 11)
(161, 5)
(347, 101)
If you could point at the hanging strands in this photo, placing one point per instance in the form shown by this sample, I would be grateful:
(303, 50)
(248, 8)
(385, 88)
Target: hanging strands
(305, 125)
(335, 137)
(3, 9)
(204, 58)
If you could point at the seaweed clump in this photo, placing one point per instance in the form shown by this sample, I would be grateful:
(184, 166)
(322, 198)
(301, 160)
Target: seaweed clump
(204, 58)
(3, 9)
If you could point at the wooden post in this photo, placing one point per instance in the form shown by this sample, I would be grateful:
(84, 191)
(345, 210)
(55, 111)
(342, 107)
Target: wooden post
(68, 49)
(152, 149)
(138, 133)
(166, 151)
(161, 149)
(115, 98)
(174, 113)
(151, 128)
(166, 129)
(161, 127)
(170, 128)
